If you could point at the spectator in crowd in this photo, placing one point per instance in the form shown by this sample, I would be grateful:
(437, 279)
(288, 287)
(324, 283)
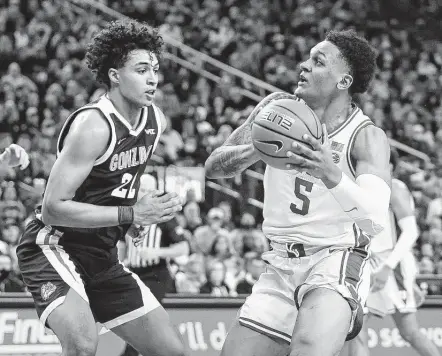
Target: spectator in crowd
(216, 280)
(192, 277)
(254, 267)
(204, 236)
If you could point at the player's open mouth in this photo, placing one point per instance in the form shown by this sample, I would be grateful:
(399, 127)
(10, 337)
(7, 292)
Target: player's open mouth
(302, 80)
(150, 92)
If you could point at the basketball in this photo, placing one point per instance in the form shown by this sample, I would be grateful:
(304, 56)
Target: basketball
(278, 124)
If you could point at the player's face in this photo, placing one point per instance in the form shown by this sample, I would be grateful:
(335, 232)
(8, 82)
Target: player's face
(320, 74)
(138, 78)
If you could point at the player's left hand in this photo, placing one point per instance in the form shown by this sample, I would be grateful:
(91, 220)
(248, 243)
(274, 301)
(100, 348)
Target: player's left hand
(380, 277)
(316, 160)
(15, 155)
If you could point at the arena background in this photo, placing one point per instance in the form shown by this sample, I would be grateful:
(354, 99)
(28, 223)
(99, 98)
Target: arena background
(221, 57)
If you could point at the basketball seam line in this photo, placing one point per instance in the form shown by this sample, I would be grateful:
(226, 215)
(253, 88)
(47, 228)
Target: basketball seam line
(308, 128)
(282, 134)
(266, 154)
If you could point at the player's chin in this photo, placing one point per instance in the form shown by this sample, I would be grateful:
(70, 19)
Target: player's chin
(300, 92)
(145, 101)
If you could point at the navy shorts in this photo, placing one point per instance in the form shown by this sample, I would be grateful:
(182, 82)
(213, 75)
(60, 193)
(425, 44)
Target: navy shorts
(49, 270)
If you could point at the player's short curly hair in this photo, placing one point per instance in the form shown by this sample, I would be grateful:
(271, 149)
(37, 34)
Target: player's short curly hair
(111, 46)
(359, 55)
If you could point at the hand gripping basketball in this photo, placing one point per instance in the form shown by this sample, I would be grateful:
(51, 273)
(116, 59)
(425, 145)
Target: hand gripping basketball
(314, 158)
(155, 209)
(280, 123)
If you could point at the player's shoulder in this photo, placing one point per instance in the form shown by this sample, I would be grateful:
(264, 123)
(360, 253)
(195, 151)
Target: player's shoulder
(89, 129)
(90, 120)
(371, 137)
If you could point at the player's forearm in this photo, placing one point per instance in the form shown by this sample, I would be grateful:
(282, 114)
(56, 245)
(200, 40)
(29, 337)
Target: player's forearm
(366, 201)
(408, 237)
(175, 250)
(229, 161)
(69, 213)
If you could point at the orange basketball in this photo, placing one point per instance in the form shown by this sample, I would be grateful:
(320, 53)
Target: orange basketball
(278, 124)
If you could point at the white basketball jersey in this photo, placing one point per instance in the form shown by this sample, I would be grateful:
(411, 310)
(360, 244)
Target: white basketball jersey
(299, 208)
(387, 238)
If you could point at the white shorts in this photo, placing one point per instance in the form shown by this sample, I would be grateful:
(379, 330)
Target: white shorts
(273, 306)
(400, 293)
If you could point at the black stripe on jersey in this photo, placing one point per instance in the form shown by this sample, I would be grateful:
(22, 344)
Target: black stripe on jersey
(351, 142)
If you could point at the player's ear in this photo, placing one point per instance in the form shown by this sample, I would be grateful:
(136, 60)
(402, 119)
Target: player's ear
(113, 75)
(345, 82)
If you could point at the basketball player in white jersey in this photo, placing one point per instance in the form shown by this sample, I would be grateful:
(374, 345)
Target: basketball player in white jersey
(318, 215)
(14, 155)
(394, 290)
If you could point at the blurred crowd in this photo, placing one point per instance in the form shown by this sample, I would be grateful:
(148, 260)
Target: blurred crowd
(43, 78)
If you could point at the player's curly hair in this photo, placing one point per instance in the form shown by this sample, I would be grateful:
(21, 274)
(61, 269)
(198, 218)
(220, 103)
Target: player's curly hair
(111, 46)
(359, 55)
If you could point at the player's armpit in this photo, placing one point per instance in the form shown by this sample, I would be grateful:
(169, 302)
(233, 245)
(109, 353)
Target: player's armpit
(87, 140)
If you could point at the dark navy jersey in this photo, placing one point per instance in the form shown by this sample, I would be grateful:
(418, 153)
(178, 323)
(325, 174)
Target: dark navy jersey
(163, 235)
(115, 177)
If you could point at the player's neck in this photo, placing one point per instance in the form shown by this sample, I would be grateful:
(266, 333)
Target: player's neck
(334, 113)
(130, 112)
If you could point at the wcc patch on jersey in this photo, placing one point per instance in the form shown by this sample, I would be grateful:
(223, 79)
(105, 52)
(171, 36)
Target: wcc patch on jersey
(336, 146)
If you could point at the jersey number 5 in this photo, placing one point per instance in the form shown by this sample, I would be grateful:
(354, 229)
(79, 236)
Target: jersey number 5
(121, 191)
(306, 186)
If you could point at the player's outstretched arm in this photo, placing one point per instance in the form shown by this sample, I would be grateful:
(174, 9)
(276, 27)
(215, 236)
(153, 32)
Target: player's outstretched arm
(237, 153)
(403, 208)
(366, 200)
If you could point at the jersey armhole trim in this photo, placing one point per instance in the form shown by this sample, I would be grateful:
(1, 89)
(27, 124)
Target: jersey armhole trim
(113, 142)
(159, 126)
(351, 142)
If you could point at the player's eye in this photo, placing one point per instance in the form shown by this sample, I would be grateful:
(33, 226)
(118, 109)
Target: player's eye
(156, 70)
(142, 71)
(318, 62)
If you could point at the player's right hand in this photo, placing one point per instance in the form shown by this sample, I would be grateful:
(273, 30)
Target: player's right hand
(154, 209)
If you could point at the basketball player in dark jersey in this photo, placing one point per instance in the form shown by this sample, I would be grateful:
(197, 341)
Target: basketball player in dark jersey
(67, 254)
